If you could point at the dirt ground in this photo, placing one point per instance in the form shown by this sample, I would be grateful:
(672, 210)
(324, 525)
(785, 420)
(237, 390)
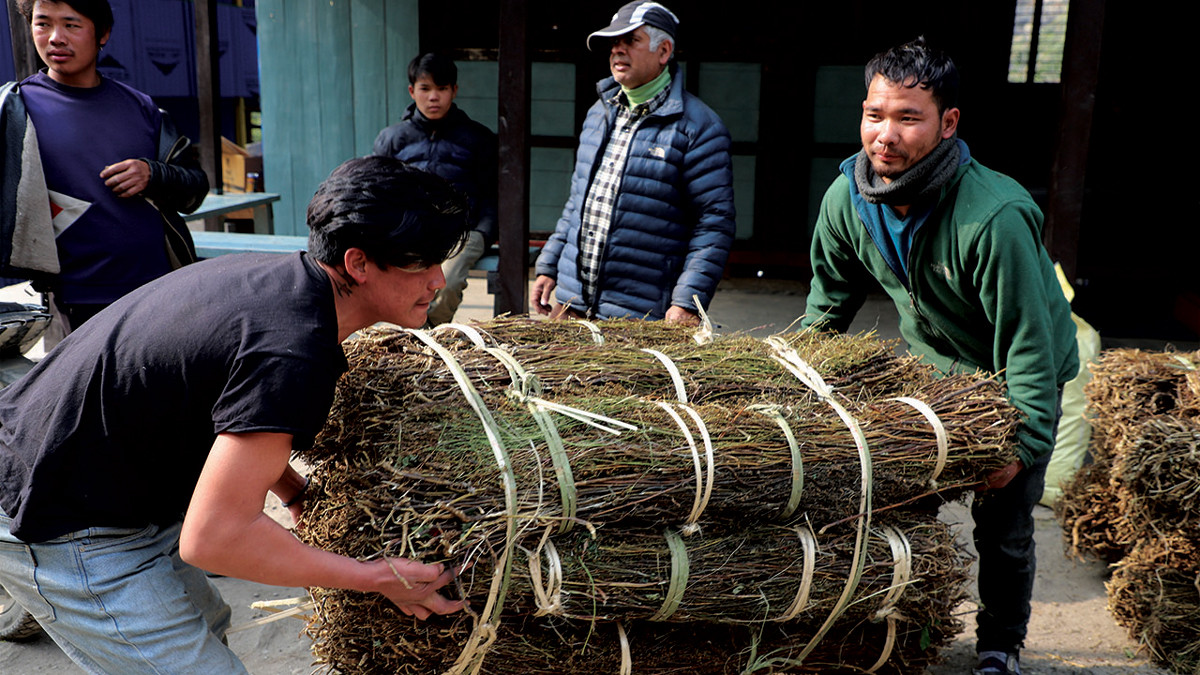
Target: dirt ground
(1071, 632)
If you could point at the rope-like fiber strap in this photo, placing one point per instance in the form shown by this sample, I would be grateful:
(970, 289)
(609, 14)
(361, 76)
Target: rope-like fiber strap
(676, 378)
(809, 542)
(901, 575)
(626, 654)
(473, 335)
(547, 597)
(484, 633)
(775, 413)
(523, 387)
(680, 568)
(703, 489)
(791, 361)
(597, 337)
(939, 432)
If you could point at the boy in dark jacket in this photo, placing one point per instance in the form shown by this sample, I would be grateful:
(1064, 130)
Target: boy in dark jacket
(436, 136)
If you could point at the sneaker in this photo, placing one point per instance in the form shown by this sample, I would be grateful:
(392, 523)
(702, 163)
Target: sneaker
(997, 663)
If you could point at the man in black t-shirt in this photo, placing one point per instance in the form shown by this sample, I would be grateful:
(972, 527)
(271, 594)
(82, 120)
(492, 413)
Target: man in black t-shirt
(140, 450)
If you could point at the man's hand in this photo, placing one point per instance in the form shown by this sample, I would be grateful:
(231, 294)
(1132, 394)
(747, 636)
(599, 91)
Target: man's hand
(542, 296)
(682, 316)
(413, 586)
(1002, 476)
(127, 178)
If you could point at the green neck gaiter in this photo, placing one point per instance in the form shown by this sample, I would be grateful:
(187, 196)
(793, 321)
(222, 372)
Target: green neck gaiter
(649, 90)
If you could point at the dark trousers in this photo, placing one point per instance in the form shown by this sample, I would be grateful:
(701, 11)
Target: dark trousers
(1003, 535)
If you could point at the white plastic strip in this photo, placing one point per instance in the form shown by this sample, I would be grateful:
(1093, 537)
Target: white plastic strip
(680, 389)
(692, 526)
(547, 597)
(939, 432)
(484, 632)
(597, 337)
(901, 574)
(775, 413)
(687, 434)
(808, 375)
(808, 542)
(473, 335)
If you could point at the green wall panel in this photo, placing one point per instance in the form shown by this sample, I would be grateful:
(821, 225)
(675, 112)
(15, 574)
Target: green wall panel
(333, 75)
(478, 91)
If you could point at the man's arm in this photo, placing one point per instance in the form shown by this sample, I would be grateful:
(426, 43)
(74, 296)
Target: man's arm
(708, 181)
(226, 532)
(836, 292)
(176, 181)
(1034, 338)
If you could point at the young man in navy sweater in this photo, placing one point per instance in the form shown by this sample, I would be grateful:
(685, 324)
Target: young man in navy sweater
(118, 174)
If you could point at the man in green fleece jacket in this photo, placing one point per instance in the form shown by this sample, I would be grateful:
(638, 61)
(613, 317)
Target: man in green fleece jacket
(958, 248)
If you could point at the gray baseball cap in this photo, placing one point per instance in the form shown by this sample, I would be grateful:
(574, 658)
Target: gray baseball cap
(635, 15)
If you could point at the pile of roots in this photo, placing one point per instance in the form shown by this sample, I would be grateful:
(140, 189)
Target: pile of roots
(631, 499)
(1138, 505)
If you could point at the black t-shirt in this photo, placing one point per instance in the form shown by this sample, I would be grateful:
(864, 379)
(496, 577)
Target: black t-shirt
(112, 427)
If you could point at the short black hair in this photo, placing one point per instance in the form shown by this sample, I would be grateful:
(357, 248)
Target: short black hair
(439, 67)
(397, 214)
(916, 64)
(99, 12)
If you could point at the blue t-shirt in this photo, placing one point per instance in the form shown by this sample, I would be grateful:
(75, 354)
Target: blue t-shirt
(110, 245)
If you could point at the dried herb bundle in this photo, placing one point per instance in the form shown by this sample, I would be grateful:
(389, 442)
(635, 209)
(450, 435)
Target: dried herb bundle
(1155, 593)
(495, 444)
(354, 637)
(1138, 505)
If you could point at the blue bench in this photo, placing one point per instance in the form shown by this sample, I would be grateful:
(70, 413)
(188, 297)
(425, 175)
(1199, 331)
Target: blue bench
(212, 244)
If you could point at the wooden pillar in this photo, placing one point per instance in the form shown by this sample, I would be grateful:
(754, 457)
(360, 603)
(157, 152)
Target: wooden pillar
(25, 58)
(1080, 75)
(512, 294)
(208, 90)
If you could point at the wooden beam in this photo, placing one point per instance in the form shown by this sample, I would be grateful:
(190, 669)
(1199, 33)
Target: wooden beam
(25, 58)
(1080, 75)
(208, 90)
(513, 270)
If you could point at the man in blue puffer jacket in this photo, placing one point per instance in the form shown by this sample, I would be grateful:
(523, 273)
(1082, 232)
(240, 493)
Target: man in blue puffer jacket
(648, 225)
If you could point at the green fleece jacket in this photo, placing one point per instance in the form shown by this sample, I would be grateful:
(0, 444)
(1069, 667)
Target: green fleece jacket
(980, 293)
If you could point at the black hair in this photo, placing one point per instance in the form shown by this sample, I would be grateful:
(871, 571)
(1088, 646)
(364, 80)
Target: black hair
(397, 214)
(914, 64)
(437, 66)
(99, 12)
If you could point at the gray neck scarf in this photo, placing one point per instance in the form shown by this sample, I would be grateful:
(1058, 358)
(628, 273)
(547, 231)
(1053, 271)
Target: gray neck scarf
(921, 181)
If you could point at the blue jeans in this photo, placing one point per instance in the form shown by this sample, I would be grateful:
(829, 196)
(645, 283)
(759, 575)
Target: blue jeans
(1003, 534)
(120, 600)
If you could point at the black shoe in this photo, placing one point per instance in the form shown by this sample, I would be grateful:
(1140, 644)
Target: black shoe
(997, 663)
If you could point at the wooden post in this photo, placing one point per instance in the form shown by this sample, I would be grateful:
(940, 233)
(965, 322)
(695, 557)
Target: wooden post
(513, 269)
(208, 90)
(25, 57)
(1080, 75)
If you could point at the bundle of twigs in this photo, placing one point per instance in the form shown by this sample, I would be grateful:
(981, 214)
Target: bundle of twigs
(1159, 475)
(485, 448)
(1129, 387)
(398, 368)
(1094, 526)
(1138, 505)
(429, 469)
(1155, 593)
(355, 640)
